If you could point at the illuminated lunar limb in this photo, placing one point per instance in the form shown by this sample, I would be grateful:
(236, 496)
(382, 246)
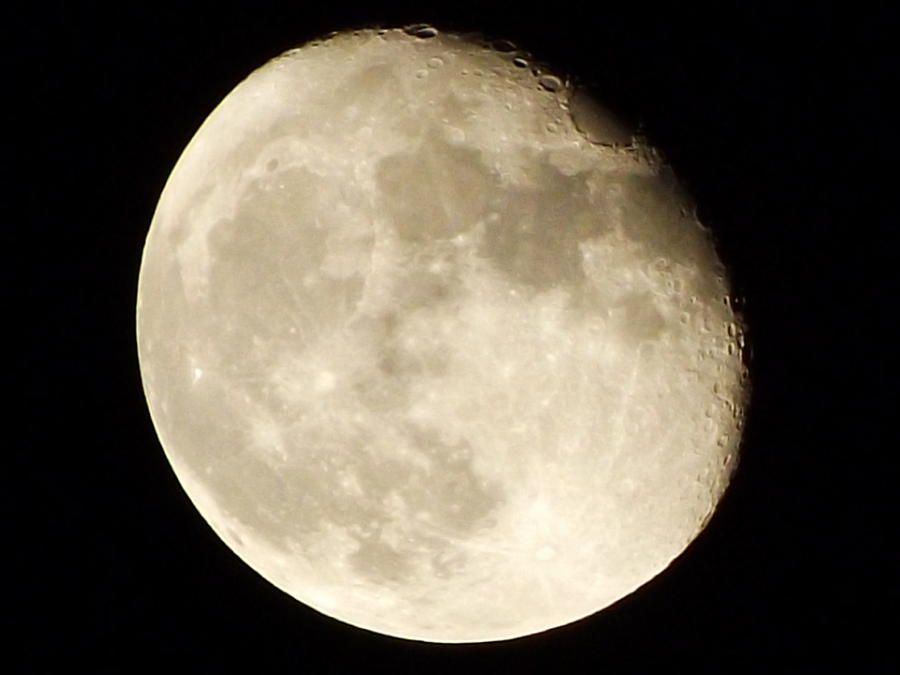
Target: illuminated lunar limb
(433, 343)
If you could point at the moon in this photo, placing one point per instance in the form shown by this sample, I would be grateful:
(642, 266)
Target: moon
(434, 342)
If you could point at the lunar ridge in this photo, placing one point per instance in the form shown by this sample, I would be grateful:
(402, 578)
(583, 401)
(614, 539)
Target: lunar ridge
(433, 344)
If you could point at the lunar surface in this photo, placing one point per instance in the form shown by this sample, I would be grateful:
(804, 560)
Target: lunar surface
(433, 343)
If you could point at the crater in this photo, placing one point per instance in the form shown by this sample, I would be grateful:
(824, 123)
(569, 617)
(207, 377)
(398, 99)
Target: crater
(598, 123)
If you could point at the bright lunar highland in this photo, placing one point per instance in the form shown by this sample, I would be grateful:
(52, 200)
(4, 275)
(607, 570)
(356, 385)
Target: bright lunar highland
(433, 343)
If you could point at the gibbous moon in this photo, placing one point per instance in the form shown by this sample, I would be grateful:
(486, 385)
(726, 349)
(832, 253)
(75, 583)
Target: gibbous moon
(434, 343)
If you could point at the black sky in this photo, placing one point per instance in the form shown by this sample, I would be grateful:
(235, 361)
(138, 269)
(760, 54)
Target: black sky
(774, 116)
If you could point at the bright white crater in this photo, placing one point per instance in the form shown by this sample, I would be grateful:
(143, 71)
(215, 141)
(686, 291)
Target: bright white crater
(433, 343)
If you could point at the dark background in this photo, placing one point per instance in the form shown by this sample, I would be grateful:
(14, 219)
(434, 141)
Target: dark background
(772, 113)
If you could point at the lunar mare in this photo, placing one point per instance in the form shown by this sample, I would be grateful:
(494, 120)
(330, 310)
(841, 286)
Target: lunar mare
(432, 350)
